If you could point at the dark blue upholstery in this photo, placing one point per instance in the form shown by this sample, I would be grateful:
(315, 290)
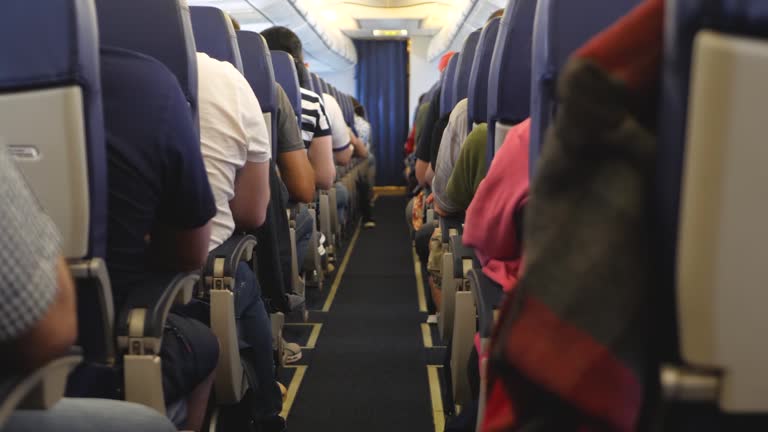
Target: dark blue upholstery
(447, 89)
(47, 44)
(464, 67)
(286, 76)
(257, 68)
(510, 73)
(561, 27)
(684, 19)
(317, 87)
(215, 35)
(325, 86)
(158, 28)
(477, 108)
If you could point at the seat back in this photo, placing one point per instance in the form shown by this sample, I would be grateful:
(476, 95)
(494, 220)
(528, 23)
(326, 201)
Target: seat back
(464, 66)
(166, 35)
(711, 169)
(447, 89)
(215, 35)
(288, 78)
(257, 67)
(52, 123)
(51, 117)
(317, 86)
(477, 103)
(509, 80)
(561, 27)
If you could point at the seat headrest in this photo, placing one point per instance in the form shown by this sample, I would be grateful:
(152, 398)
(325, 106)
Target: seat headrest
(158, 28)
(464, 67)
(561, 27)
(257, 69)
(215, 35)
(48, 44)
(324, 86)
(510, 73)
(285, 74)
(447, 99)
(477, 107)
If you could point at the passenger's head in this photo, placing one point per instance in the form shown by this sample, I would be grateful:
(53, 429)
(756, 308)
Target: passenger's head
(497, 14)
(359, 109)
(235, 23)
(283, 39)
(444, 60)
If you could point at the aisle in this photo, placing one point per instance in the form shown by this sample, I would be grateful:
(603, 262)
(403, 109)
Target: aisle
(367, 371)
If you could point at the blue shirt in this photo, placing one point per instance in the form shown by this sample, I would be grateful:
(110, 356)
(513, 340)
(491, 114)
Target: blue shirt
(156, 174)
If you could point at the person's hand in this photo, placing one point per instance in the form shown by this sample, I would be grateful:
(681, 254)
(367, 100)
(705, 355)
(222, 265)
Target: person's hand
(430, 199)
(437, 209)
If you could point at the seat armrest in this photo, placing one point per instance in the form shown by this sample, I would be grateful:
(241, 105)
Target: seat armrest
(40, 389)
(221, 266)
(488, 297)
(461, 253)
(145, 310)
(448, 223)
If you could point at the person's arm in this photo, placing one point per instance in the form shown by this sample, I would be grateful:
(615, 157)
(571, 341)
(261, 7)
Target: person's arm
(38, 317)
(344, 156)
(249, 206)
(297, 174)
(429, 176)
(180, 249)
(295, 170)
(358, 145)
(321, 156)
(421, 172)
(55, 332)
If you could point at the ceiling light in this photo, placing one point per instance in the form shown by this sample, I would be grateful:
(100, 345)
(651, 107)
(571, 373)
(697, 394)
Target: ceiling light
(390, 33)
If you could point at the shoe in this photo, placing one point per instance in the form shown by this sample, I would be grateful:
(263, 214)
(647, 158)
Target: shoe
(369, 225)
(283, 390)
(432, 319)
(291, 352)
(330, 268)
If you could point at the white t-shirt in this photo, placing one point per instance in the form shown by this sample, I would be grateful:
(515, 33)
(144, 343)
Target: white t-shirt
(232, 131)
(339, 128)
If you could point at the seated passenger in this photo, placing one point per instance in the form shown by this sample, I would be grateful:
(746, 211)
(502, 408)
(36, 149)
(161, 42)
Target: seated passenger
(160, 205)
(368, 178)
(451, 143)
(236, 150)
(38, 320)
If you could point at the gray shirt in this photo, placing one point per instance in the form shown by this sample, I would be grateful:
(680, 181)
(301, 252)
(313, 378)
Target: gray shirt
(30, 244)
(453, 139)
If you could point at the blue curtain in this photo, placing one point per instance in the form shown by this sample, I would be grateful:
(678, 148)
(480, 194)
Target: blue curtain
(382, 88)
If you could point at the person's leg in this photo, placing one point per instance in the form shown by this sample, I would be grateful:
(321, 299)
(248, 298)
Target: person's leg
(422, 250)
(90, 415)
(364, 199)
(342, 202)
(190, 353)
(255, 330)
(303, 233)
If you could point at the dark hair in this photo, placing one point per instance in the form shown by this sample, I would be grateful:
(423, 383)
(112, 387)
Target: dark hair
(235, 23)
(359, 108)
(496, 14)
(283, 39)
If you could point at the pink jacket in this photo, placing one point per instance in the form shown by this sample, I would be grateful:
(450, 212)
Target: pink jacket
(491, 221)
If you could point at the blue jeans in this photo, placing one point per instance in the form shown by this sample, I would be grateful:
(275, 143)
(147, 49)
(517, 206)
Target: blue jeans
(255, 331)
(342, 202)
(90, 415)
(303, 234)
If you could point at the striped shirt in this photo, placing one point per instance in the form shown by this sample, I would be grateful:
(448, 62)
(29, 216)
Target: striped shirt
(314, 120)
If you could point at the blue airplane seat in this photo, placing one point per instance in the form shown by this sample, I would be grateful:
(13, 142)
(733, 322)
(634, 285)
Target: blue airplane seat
(509, 81)
(447, 92)
(561, 27)
(477, 108)
(215, 35)
(464, 66)
(166, 35)
(710, 159)
(257, 68)
(317, 86)
(287, 76)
